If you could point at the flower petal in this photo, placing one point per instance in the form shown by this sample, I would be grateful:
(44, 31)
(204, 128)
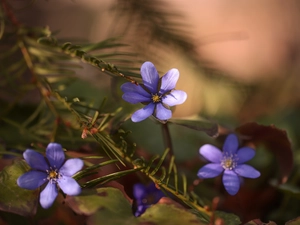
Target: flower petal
(55, 155)
(129, 87)
(71, 166)
(246, 171)
(133, 97)
(151, 188)
(143, 113)
(231, 144)
(154, 193)
(48, 195)
(35, 160)
(69, 186)
(150, 76)
(211, 153)
(140, 210)
(210, 170)
(32, 179)
(145, 196)
(139, 191)
(231, 182)
(176, 97)
(169, 80)
(162, 112)
(245, 154)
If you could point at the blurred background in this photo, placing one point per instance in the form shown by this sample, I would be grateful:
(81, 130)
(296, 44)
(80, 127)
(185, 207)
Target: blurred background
(237, 59)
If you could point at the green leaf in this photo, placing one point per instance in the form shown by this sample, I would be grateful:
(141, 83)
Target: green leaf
(288, 188)
(13, 198)
(228, 218)
(165, 214)
(199, 124)
(106, 199)
(109, 206)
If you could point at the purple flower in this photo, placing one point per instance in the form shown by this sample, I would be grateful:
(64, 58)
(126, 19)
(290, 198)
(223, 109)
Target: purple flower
(156, 93)
(145, 196)
(51, 170)
(230, 161)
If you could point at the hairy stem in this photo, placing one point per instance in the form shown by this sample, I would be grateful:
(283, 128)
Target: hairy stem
(167, 140)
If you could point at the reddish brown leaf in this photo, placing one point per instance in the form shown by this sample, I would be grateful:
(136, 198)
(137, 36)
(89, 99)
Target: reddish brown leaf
(275, 140)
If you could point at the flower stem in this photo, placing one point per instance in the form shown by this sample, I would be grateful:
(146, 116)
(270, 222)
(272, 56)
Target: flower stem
(167, 140)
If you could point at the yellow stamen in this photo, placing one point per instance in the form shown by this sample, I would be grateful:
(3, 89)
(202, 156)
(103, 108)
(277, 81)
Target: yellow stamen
(155, 98)
(228, 163)
(52, 174)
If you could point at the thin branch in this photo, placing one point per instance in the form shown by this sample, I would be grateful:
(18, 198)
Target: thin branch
(10, 14)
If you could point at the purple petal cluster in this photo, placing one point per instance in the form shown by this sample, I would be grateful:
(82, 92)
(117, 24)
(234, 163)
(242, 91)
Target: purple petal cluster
(145, 196)
(158, 94)
(53, 170)
(230, 162)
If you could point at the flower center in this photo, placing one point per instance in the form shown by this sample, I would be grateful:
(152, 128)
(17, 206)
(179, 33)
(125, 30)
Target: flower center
(53, 175)
(229, 161)
(156, 98)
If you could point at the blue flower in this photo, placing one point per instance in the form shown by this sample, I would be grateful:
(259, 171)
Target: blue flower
(156, 93)
(51, 170)
(145, 196)
(230, 161)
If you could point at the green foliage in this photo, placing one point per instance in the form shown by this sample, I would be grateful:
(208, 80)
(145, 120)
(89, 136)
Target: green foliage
(110, 206)
(228, 218)
(292, 190)
(13, 198)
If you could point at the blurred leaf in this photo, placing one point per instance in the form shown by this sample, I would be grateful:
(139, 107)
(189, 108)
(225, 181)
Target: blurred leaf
(9, 51)
(102, 199)
(275, 140)
(42, 70)
(108, 43)
(154, 21)
(168, 214)
(259, 222)
(228, 218)
(293, 222)
(111, 207)
(288, 188)
(199, 124)
(13, 198)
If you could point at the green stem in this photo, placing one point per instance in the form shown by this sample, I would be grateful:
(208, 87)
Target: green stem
(167, 140)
